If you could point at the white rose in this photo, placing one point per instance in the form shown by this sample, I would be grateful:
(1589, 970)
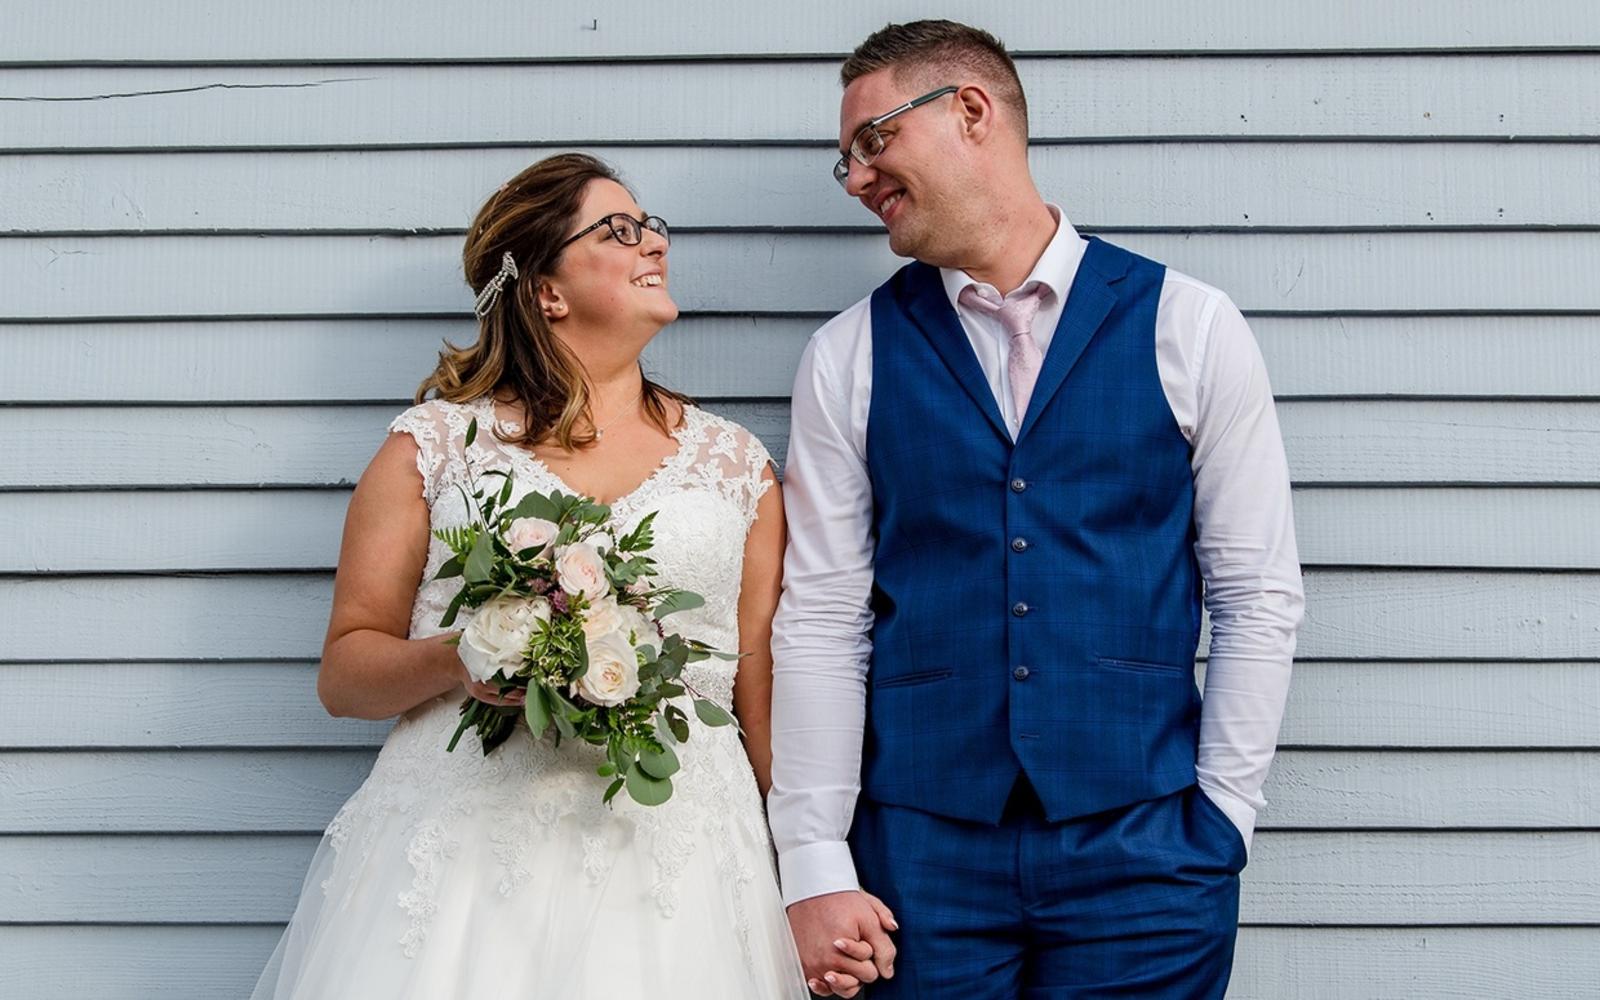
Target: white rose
(531, 533)
(494, 639)
(607, 616)
(581, 571)
(613, 675)
(641, 625)
(602, 618)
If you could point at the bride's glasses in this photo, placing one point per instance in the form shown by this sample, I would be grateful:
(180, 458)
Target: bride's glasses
(625, 228)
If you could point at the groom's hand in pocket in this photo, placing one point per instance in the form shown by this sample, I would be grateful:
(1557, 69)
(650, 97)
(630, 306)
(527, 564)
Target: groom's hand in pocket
(843, 941)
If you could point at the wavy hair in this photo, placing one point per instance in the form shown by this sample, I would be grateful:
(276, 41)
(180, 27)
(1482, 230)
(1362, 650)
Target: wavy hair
(517, 352)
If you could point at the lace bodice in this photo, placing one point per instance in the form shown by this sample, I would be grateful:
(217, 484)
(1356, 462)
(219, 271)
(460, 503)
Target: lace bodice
(705, 495)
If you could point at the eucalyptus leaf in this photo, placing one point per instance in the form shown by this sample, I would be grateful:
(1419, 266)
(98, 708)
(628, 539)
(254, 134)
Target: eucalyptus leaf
(661, 763)
(679, 600)
(472, 431)
(711, 713)
(612, 790)
(680, 728)
(645, 790)
(535, 505)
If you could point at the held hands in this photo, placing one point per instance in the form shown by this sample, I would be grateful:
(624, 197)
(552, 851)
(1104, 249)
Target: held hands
(842, 940)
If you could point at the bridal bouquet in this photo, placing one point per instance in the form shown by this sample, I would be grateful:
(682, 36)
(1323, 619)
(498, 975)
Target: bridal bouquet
(569, 614)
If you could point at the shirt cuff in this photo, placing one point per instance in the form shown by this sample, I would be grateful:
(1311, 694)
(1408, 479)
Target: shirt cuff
(1240, 812)
(815, 870)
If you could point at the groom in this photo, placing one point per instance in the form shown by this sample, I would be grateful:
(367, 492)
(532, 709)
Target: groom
(1015, 472)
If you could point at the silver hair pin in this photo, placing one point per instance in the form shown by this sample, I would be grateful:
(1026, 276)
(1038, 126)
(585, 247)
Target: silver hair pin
(491, 292)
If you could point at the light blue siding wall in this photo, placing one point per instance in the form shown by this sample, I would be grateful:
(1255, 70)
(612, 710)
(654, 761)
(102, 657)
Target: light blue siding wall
(228, 242)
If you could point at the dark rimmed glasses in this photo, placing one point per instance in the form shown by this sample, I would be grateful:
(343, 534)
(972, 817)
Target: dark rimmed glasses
(869, 142)
(625, 229)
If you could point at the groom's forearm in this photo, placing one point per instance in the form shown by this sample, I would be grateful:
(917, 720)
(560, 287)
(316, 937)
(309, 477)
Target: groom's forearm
(1239, 720)
(818, 716)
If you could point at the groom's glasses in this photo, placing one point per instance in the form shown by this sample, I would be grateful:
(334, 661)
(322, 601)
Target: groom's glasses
(869, 142)
(625, 229)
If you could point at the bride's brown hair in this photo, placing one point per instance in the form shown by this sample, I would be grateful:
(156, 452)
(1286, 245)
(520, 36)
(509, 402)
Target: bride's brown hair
(517, 353)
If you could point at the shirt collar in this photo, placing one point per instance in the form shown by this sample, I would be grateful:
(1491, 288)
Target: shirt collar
(1055, 269)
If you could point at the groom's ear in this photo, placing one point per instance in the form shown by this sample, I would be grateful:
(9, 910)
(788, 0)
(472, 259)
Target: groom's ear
(977, 111)
(551, 303)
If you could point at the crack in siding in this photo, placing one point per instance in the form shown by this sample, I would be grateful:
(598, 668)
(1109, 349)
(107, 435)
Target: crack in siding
(195, 90)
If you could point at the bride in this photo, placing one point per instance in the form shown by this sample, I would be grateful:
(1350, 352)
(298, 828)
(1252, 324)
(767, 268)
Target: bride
(460, 875)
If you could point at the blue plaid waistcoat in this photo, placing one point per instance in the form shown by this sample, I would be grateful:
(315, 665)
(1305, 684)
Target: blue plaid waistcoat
(1038, 603)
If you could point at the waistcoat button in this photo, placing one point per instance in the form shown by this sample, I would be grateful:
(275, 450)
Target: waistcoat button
(1018, 485)
(1019, 609)
(1021, 673)
(1019, 545)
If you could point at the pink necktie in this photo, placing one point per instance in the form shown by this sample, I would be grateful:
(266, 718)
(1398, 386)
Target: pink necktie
(1016, 316)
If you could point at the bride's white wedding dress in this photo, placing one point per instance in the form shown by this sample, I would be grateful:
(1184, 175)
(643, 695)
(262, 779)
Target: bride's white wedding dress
(453, 875)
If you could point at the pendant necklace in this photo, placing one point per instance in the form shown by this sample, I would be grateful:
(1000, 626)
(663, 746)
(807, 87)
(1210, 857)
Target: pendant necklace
(600, 432)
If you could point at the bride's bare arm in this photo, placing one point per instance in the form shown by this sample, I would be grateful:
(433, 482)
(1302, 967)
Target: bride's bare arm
(758, 600)
(370, 670)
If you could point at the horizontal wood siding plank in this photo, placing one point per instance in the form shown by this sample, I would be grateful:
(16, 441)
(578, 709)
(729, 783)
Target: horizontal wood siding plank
(1163, 185)
(75, 31)
(1439, 963)
(1499, 96)
(383, 359)
(101, 962)
(272, 791)
(1351, 614)
(152, 705)
(1361, 878)
(1403, 442)
(350, 360)
(134, 962)
(130, 277)
(1448, 443)
(203, 530)
(1477, 528)
(234, 791)
(1444, 705)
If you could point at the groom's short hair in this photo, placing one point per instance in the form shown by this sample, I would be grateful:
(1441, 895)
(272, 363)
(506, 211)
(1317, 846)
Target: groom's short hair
(926, 49)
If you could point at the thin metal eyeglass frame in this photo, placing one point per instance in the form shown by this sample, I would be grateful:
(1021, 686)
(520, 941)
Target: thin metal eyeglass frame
(635, 230)
(841, 170)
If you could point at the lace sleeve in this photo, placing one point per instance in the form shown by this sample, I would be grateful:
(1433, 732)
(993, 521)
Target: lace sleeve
(757, 461)
(427, 425)
(746, 462)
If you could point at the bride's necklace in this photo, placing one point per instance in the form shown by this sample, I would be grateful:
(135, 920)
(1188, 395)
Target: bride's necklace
(600, 429)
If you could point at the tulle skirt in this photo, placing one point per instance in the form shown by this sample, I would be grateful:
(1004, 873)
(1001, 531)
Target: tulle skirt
(461, 876)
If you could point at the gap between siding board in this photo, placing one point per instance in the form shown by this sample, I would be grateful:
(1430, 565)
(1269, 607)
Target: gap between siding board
(592, 143)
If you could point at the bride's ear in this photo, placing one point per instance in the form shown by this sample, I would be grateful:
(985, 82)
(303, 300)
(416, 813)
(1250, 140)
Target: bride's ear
(551, 302)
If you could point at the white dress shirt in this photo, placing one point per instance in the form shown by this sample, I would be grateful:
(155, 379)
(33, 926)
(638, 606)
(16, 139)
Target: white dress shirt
(1216, 385)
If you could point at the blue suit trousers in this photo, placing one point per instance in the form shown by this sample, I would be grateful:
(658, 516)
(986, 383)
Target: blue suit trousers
(1139, 901)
